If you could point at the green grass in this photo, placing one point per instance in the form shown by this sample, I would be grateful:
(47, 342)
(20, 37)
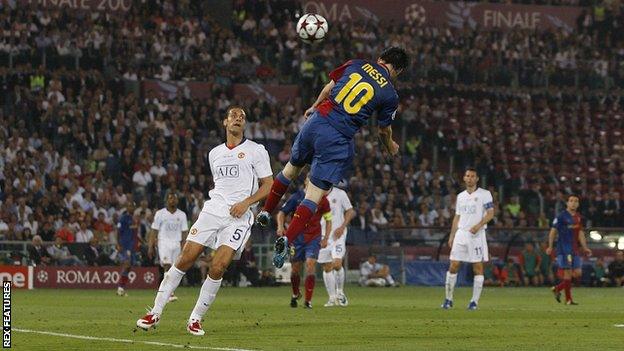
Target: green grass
(386, 319)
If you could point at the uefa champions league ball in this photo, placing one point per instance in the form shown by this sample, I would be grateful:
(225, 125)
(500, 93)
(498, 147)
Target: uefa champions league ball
(312, 28)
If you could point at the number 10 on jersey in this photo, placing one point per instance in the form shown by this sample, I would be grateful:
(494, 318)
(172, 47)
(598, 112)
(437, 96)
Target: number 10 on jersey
(351, 90)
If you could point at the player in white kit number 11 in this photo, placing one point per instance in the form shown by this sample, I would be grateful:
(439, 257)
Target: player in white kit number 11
(225, 221)
(473, 210)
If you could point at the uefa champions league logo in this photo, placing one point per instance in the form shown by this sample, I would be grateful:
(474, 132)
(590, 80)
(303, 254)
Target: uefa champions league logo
(42, 276)
(148, 277)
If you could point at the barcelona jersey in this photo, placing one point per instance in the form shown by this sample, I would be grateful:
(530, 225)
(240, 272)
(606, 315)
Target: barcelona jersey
(361, 88)
(568, 228)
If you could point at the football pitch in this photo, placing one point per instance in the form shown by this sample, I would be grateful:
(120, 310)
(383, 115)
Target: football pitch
(406, 318)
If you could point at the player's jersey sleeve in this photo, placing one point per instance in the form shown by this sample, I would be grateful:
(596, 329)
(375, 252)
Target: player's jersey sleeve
(184, 222)
(388, 110)
(290, 205)
(457, 203)
(345, 203)
(488, 202)
(337, 73)
(211, 161)
(157, 221)
(262, 163)
(555, 222)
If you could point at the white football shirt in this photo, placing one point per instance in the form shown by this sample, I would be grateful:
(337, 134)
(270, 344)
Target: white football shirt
(235, 172)
(471, 208)
(170, 225)
(339, 203)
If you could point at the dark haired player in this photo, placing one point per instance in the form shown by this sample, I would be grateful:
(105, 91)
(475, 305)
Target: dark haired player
(473, 210)
(356, 90)
(568, 228)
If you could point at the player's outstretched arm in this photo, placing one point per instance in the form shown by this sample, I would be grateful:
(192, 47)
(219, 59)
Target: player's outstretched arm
(151, 241)
(322, 96)
(385, 134)
(263, 191)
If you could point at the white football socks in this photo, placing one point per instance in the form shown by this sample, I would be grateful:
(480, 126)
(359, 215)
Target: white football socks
(451, 279)
(390, 280)
(206, 297)
(477, 288)
(168, 285)
(340, 280)
(330, 283)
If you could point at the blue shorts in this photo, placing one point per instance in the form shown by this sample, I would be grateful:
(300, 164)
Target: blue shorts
(569, 262)
(128, 256)
(305, 250)
(328, 152)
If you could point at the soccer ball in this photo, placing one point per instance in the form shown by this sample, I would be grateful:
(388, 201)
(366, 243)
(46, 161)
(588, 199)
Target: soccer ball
(312, 28)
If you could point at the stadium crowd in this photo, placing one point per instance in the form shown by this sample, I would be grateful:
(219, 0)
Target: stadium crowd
(77, 142)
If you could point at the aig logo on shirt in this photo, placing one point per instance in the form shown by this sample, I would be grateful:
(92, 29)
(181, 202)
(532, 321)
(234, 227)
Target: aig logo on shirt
(468, 209)
(227, 171)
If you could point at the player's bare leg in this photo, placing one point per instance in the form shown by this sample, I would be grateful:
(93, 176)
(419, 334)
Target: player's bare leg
(339, 274)
(220, 262)
(278, 189)
(304, 212)
(170, 282)
(329, 278)
(477, 287)
(295, 281)
(310, 281)
(449, 286)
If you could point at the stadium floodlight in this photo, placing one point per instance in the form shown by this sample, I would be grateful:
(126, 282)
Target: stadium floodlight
(621, 243)
(595, 235)
(612, 244)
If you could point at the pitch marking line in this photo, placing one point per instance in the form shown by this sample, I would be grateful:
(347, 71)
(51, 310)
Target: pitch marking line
(619, 325)
(127, 341)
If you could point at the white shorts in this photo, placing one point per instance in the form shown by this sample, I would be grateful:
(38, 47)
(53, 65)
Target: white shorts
(334, 250)
(468, 247)
(215, 231)
(168, 252)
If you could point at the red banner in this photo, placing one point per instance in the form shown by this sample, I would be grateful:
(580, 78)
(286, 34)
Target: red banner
(272, 93)
(445, 13)
(94, 277)
(19, 276)
(85, 5)
(173, 89)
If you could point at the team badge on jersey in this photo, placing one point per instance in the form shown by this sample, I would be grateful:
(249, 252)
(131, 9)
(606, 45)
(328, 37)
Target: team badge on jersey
(193, 231)
(241, 155)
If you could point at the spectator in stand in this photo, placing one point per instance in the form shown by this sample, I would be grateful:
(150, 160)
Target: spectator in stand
(65, 233)
(84, 235)
(37, 252)
(530, 265)
(616, 269)
(247, 266)
(94, 256)
(509, 274)
(61, 255)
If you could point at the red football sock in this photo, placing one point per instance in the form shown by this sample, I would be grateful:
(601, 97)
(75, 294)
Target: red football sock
(123, 281)
(300, 219)
(278, 189)
(568, 289)
(294, 283)
(560, 286)
(309, 285)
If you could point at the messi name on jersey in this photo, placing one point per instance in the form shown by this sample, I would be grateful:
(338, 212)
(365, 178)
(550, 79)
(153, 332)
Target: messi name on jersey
(375, 74)
(227, 171)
